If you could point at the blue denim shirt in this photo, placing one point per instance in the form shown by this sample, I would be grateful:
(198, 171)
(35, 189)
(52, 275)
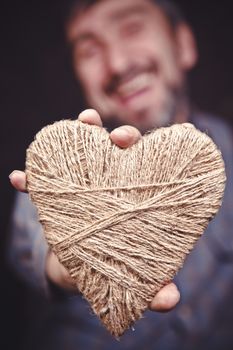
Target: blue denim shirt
(203, 318)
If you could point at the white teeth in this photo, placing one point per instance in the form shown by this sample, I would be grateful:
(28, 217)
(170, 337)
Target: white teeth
(137, 83)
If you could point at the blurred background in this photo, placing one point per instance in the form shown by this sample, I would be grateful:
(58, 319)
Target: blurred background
(38, 87)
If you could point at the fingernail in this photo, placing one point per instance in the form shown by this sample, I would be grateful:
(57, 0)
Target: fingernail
(88, 113)
(13, 173)
(122, 132)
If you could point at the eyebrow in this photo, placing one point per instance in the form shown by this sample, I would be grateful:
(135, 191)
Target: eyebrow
(127, 11)
(84, 37)
(115, 16)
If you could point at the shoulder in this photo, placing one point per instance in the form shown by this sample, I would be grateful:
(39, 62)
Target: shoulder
(217, 128)
(221, 133)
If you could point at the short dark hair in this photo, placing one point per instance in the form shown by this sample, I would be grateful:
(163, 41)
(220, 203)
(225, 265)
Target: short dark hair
(170, 9)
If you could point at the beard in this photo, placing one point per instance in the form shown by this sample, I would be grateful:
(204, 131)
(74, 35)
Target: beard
(160, 112)
(147, 119)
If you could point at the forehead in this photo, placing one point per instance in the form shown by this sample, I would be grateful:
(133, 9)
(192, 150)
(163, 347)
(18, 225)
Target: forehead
(106, 14)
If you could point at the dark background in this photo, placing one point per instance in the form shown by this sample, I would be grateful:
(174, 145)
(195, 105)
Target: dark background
(37, 87)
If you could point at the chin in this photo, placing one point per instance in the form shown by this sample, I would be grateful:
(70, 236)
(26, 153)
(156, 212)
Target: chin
(145, 119)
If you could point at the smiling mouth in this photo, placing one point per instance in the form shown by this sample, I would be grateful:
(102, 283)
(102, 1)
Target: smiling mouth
(134, 87)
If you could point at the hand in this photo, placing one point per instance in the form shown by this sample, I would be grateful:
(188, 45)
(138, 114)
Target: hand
(124, 136)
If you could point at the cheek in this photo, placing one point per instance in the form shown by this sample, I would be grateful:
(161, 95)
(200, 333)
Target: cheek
(161, 51)
(170, 65)
(90, 76)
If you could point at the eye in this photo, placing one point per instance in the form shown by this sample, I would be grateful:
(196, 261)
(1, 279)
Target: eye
(132, 28)
(87, 51)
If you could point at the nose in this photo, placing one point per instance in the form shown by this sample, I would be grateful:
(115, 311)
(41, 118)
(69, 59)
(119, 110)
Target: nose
(117, 59)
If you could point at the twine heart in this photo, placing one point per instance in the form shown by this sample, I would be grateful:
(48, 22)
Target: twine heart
(123, 220)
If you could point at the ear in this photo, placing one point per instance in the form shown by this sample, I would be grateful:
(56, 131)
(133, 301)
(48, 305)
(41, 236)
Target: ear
(187, 48)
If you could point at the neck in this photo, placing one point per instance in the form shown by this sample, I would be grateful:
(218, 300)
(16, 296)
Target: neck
(183, 111)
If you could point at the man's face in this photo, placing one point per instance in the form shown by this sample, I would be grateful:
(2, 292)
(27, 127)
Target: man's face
(126, 56)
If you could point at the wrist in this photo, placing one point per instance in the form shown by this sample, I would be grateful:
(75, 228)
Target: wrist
(57, 273)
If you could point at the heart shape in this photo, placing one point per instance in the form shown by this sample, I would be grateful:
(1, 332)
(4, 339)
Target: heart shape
(122, 221)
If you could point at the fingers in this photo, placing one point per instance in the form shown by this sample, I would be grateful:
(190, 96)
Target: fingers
(18, 180)
(90, 116)
(125, 136)
(166, 299)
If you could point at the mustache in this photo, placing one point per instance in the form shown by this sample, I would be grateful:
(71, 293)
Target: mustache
(120, 78)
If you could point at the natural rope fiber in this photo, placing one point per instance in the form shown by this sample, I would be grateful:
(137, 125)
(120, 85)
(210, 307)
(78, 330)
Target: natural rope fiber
(123, 220)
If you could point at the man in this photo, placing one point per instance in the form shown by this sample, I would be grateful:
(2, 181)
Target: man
(132, 58)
